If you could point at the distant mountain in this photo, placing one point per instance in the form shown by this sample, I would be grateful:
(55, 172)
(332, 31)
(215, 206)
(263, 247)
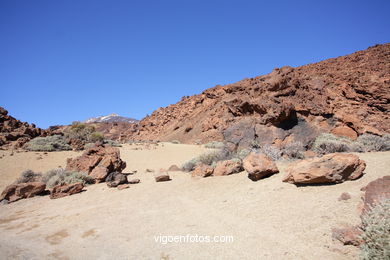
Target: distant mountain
(112, 118)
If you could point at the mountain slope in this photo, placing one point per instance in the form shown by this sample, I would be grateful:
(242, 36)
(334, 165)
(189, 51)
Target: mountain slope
(348, 95)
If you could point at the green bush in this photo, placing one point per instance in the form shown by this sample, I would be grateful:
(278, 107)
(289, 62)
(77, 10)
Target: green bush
(96, 137)
(60, 177)
(215, 145)
(48, 144)
(376, 232)
(29, 176)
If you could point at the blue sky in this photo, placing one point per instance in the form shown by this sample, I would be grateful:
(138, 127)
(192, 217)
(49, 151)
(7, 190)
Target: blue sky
(69, 60)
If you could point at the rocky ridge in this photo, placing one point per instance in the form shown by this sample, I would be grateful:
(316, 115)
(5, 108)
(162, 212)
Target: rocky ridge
(348, 96)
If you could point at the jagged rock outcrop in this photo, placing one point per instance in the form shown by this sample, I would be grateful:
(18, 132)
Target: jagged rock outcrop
(348, 95)
(14, 133)
(19, 191)
(98, 162)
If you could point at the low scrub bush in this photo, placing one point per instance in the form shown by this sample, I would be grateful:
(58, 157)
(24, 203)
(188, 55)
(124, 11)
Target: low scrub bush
(112, 143)
(212, 158)
(376, 232)
(175, 142)
(327, 143)
(271, 151)
(294, 150)
(372, 143)
(48, 144)
(84, 132)
(60, 177)
(215, 145)
(29, 176)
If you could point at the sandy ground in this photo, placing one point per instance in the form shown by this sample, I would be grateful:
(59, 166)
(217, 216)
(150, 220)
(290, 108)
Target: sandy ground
(268, 219)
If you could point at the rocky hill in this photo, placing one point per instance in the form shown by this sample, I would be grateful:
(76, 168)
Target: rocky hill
(15, 133)
(348, 95)
(112, 118)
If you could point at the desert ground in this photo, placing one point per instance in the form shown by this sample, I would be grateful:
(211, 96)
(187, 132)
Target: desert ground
(268, 219)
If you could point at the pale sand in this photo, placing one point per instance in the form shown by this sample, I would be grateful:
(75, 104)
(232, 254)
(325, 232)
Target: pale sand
(268, 219)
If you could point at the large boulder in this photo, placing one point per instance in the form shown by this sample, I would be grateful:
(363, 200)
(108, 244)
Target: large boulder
(19, 191)
(66, 190)
(331, 168)
(259, 166)
(376, 191)
(98, 162)
(227, 167)
(202, 170)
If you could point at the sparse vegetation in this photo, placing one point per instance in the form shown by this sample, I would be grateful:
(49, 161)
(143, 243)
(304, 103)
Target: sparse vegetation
(60, 177)
(294, 150)
(215, 145)
(271, 151)
(84, 132)
(29, 176)
(211, 158)
(175, 142)
(48, 144)
(112, 143)
(328, 143)
(376, 232)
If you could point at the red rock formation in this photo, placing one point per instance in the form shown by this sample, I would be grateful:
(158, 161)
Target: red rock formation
(14, 133)
(330, 168)
(350, 94)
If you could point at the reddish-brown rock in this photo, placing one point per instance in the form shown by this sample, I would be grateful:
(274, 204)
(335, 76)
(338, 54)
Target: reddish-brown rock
(134, 181)
(288, 104)
(259, 166)
(331, 168)
(344, 131)
(376, 191)
(66, 190)
(348, 235)
(227, 167)
(98, 156)
(162, 176)
(14, 133)
(19, 191)
(123, 186)
(99, 173)
(202, 170)
(344, 196)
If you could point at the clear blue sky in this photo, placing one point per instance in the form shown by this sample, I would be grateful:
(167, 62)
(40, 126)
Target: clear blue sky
(66, 60)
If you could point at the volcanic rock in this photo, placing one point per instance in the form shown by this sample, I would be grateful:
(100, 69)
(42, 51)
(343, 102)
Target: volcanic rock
(14, 133)
(259, 166)
(376, 191)
(227, 167)
(348, 235)
(331, 168)
(19, 191)
(116, 178)
(66, 190)
(202, 170)
(98, 156)
(348, 95)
